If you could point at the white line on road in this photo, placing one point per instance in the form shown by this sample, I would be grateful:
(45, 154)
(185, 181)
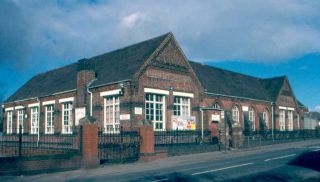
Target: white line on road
(316, 150)
(282, 157)
(220, 169)
(165, 179)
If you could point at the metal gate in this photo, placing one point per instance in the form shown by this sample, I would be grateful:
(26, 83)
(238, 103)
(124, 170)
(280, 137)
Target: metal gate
(119, 147)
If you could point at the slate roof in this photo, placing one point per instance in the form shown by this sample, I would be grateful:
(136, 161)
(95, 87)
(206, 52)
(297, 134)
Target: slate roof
(123, 63)
(220, 81)
(110, 67)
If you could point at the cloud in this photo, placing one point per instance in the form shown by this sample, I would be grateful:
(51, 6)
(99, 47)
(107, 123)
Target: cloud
(316, 108)
(256, 31)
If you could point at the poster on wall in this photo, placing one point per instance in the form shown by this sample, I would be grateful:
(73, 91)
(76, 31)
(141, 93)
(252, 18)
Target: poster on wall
(183, 123)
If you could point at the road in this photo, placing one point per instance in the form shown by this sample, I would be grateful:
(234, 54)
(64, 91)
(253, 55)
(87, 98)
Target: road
(269, 163)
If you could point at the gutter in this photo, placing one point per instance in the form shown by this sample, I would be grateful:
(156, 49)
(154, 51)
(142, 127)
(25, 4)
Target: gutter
(111, 83)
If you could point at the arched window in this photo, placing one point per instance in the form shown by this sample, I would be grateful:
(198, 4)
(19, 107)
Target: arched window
(265, 118)
(235, 114)
(216, 105)
(252, 118)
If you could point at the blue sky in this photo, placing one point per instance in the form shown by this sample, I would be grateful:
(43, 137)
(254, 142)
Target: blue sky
(259, 38)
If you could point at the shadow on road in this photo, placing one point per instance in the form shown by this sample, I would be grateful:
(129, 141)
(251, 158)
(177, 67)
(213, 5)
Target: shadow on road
(310, 160)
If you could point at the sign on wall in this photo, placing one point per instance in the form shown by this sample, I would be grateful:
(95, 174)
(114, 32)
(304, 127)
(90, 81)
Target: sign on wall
(138, 110)
(245, 108)
(79, 114)
(183, 123)
(215, 117)
(125, 117)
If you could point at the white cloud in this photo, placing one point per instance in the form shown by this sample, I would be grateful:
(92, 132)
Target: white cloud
(256, 31)
(317, 108)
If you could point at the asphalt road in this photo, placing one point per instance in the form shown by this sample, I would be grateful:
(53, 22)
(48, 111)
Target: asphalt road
(235, 168)
(268, 164)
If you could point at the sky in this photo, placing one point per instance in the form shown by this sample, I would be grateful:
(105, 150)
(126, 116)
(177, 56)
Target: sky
(259, 38)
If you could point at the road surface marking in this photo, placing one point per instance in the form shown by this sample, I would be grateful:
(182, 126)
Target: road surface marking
(220, 169)
(282, 157)
(316, 150)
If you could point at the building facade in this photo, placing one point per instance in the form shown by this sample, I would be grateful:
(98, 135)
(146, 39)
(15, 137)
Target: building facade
(150, 81)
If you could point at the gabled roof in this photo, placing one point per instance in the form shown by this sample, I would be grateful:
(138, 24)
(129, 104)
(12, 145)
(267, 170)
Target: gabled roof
(111, 67)
(220, 81)
(273, 85)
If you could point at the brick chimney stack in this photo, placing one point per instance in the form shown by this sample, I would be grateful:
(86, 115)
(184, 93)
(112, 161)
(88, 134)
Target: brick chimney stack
(85, 75)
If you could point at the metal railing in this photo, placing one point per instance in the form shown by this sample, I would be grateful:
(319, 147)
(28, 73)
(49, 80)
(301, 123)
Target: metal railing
(25, 144)
(123, 146)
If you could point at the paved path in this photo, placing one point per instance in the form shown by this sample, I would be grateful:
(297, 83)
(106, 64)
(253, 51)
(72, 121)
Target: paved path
(237, 164)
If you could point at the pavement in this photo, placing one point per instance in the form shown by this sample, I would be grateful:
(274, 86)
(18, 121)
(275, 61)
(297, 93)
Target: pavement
(266, 163)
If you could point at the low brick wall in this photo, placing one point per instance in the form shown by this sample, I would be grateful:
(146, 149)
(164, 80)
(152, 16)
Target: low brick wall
(39, 164)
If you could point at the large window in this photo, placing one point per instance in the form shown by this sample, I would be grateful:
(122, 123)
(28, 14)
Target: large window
(265, 118)
(9, 122)
(67, 118)
(20, 120)
(49, 119)
(155, 110)
(111, 114)
(181, 106)
(235, 114)
(282, 120)
(252, 119)
(34, 120)
(290, 120)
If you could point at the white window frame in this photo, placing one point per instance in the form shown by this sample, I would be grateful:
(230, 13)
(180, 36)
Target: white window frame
(252, 118)
(181, 108)
(49, 119)
(216, 105)
(298, 121)
(67, 117)
(235, 114)
(112, 114)
(290, 120)
(9, 122)
(282, 119)
(161, 111)
(265, 117)
(34, 120)
(20, 116)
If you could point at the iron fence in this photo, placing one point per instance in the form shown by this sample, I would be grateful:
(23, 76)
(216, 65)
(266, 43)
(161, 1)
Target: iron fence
(25, 144)
(259, 138)
(120, 147)
(180, 142)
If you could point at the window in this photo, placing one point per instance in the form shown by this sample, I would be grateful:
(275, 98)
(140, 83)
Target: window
(265, 118)
(216, 105)
(67, 118)
(282, 120)
(20, 120)
(112, 114)
(49, 119)
(290, 120)
(235, 114)
(9, 122)
(34, 120)
(155, 110)
(181, 106)
(252, 119)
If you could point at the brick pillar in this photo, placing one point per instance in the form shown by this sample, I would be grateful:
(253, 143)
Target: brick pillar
(237, 137)
(89, 145)
(146, 142)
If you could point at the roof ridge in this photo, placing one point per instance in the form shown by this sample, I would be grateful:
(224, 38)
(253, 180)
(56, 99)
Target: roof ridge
(214, 67)
(132, 45)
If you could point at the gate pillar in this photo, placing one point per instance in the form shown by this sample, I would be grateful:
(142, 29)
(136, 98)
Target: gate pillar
(89, 143)
(146, 142)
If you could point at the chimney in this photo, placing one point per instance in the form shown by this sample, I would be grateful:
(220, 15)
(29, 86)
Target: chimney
(85, 74)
